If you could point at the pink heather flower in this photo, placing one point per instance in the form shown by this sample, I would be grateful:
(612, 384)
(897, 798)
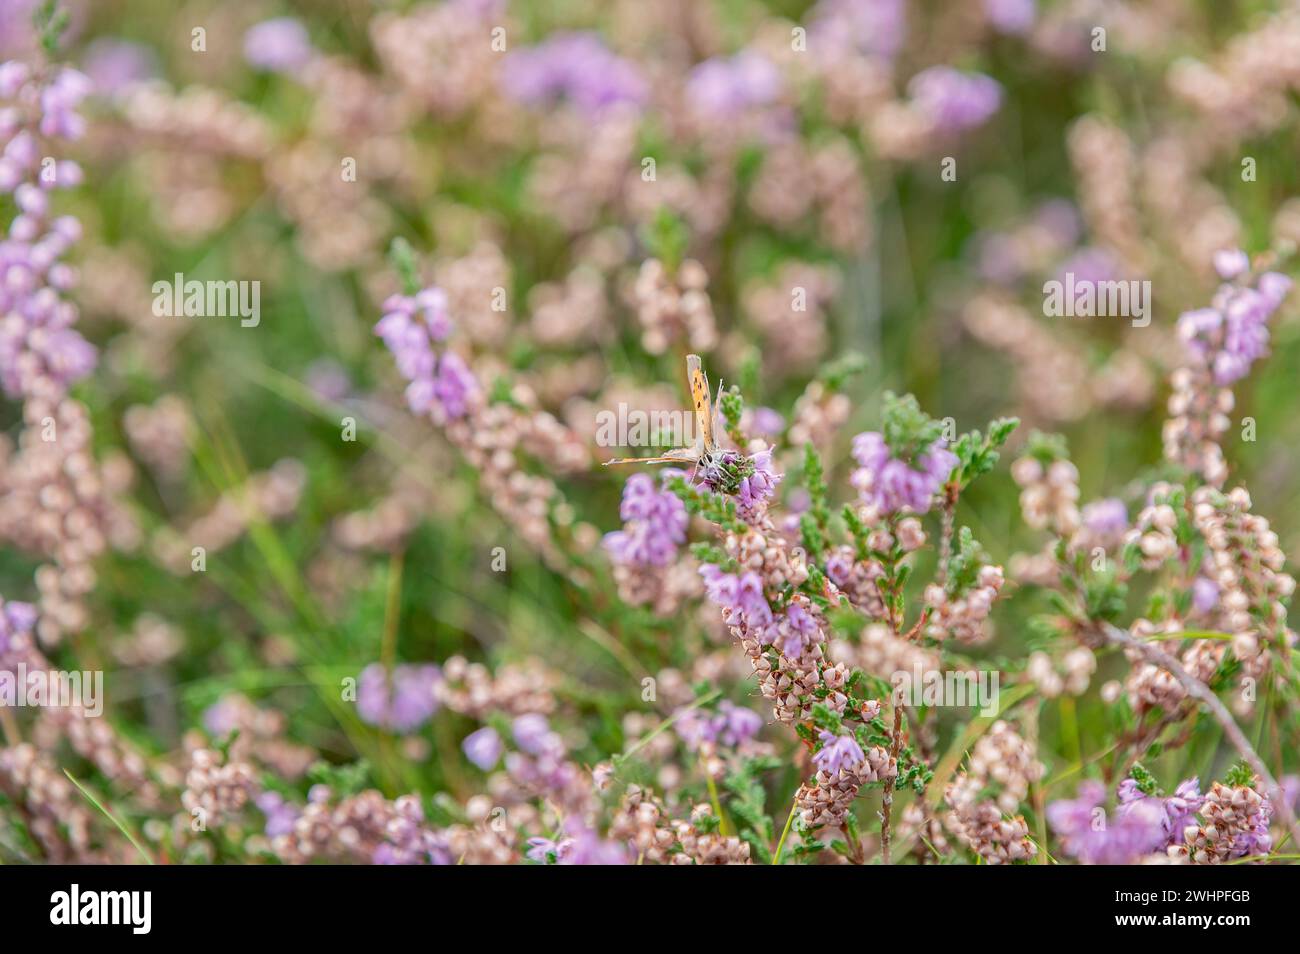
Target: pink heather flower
(411, 704)
(483, 748)
(280, 45)
(838, 752)
(1096, 839)
(654, 525)
(891, 484)
(954, 101)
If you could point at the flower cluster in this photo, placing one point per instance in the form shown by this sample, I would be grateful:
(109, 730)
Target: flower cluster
(40, 352)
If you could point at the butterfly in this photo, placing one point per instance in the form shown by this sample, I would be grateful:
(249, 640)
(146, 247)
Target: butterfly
(705, 451)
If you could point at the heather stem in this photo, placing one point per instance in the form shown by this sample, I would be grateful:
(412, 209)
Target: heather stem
(945, 535)
(785, 832)
(887, 799)
(1200, 691)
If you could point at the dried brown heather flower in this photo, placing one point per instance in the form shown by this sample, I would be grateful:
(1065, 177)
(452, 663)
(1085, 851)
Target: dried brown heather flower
(1003, 761)
(660, 839)
(674, 308)
(1236, 826)
(473, 690)
(1049, 496)
(48, 805)
(216, 789)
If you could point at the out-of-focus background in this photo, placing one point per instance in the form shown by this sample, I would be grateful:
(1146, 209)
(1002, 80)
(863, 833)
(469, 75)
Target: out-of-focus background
(892, 179)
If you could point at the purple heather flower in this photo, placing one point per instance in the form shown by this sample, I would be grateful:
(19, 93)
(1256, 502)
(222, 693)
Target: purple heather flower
(280, 45)
(539, 848)
(953, 100)
(1205, 594)
(767, 422)
(724, 87)
(796, 630)
(280, 815)
(454, 386)
(38, 345)
(113, 65)
(757, 489)
(411, 704)
(1132, 832)
(1274, 286)
(838, 752)
(1011, 16)
(15, 618)
(743, 596)
(577, 67)
(532, 733)
(328, 379)
(740, 724)
(1089, 266)
(892, 484)
(752, 601)
(1060, 219)
(441, 385)
(718, 586)
(876, 27)
(222, 717)
(483, 748)
(1106, 518)
(1175, 812)
(1230, 336)
(729, 726)
(1231, 263)
(583, 846)
(654, 525)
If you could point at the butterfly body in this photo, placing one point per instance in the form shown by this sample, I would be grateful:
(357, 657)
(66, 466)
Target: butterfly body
(705, 452)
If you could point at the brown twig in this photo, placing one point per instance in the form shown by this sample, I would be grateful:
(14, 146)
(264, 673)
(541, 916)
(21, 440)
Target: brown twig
(1200, 691)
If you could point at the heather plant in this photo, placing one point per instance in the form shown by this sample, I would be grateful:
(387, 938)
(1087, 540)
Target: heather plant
(945, 569)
